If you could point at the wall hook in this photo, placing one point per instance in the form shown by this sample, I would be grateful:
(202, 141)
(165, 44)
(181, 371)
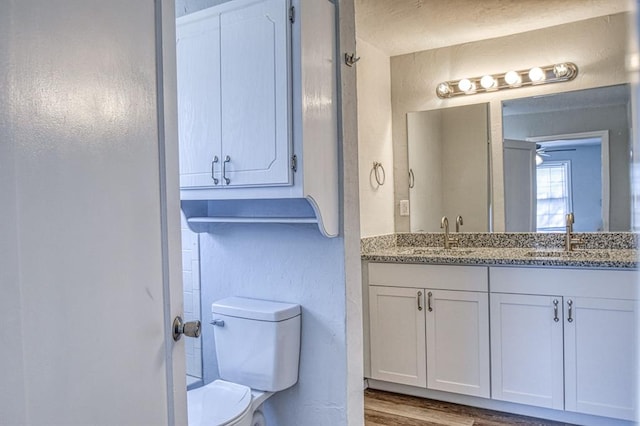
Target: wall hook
(350, 59)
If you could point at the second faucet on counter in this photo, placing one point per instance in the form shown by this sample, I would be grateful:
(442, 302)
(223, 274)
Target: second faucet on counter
(569, 240)
(450, 241)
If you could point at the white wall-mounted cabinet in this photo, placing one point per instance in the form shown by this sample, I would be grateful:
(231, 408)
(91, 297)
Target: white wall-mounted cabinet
(257, 113)
(429, 327)
(565, 339)
(234, 96)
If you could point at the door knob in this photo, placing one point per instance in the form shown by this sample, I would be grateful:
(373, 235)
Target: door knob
(190, 328)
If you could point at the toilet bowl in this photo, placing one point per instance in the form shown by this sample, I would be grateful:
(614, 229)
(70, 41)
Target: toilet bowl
(222, 403)
(258, 351)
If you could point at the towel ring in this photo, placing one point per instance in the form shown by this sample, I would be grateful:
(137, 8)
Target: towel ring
(377, 170)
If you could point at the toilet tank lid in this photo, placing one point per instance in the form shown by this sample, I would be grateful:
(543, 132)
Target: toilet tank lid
(255, 309)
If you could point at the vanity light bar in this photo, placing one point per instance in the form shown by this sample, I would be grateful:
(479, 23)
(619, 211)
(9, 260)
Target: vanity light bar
(556, 73)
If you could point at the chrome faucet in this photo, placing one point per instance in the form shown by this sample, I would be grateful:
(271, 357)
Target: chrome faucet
(448, 241)
(569, 240)
(458, 223)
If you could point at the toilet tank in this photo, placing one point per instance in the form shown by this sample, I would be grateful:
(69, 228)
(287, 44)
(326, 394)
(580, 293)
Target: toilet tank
(257, 342)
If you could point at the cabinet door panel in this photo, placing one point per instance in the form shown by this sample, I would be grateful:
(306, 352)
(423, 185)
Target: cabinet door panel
(458, 342)
(526, 350)
(397, 330)
(198, 74)
(600, 357)
(255, 100)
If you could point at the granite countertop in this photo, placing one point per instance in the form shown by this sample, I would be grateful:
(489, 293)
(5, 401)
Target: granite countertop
(420, 248)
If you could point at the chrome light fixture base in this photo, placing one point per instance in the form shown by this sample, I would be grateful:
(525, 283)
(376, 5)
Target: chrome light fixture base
(556, 73)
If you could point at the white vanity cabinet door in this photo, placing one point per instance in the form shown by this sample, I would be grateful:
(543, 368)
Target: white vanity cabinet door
(397, 335)
(457, 325)
(198, 78)
(526, 350)
(600, 356)
(256, 94)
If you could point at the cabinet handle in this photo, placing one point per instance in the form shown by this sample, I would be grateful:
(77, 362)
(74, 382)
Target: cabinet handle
(227, 159)
(429, 308)
(555, 310)
(215, 160)
(570, 303)
(412, 179)
(419, 300)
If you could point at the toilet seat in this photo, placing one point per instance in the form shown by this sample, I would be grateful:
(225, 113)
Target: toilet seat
(219, 403)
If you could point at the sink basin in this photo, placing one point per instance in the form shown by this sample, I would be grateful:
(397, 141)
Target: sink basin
(436, 251)
(578, 254)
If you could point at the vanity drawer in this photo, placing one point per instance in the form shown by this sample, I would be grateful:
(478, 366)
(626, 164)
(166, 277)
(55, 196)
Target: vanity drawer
(467, 278)
(577, 282)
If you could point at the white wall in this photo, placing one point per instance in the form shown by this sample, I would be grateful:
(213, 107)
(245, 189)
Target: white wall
(293, 264)
(374, 140)
(351, 217)
(597, 46)
(191, 297)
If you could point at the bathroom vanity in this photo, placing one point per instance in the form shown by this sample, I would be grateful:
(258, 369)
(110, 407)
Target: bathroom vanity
(534, 331)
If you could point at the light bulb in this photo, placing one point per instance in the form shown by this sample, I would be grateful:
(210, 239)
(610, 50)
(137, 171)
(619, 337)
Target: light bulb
(560, 70)
(512, 78)
(536, 74)
(487, 82)
(465, 85)
(539, 160)
(444, 89)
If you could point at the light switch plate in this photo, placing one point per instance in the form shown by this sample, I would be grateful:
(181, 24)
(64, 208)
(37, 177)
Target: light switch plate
(404, 207)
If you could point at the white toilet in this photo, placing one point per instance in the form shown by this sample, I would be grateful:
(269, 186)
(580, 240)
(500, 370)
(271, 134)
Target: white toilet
(258, 351)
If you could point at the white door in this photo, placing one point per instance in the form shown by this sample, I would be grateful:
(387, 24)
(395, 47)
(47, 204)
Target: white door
(89, 219)
(256, 93)
(600, 357)
(397, 334)
(526, 350)
(520, 186)
(458, 342)
(198, 63)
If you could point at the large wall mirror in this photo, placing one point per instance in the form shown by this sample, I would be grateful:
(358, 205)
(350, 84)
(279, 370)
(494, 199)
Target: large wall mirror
(568, 152)
(448, 153)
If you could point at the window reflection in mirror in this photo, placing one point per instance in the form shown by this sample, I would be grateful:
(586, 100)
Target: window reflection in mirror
(568, 152)
(448, 153)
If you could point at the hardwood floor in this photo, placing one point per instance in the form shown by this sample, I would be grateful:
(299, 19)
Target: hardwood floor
(390, 409)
